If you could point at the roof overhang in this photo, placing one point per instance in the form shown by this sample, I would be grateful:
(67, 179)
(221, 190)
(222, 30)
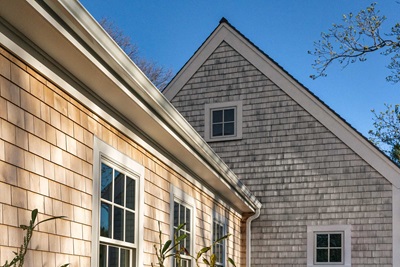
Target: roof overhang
(63, 41)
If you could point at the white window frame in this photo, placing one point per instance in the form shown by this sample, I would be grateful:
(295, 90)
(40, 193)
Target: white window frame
(313, 230)
(219, 219)
(237, 105)
(106, 153)
(177, 195)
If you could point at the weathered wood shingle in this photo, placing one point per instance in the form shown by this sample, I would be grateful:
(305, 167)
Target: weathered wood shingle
(301, 172)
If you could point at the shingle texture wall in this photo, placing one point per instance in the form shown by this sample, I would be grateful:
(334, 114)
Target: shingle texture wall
(301, 172)
(46, 162)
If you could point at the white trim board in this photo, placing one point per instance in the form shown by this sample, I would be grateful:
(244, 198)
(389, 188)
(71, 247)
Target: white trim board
(396, 226)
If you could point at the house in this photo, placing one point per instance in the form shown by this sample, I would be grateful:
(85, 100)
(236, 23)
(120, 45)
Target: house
(329, 197)
(84, 134)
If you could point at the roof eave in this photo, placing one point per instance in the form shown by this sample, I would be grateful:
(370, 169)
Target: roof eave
(125, 88)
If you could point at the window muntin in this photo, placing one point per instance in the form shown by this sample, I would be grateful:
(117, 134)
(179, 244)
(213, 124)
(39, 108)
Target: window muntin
(183, 214)
(329, 247)
(118, 216)
(223, 122)
(219, 248)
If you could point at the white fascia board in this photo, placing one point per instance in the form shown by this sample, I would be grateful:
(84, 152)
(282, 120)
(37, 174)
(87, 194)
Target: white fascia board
(155, 115)
(294, 89)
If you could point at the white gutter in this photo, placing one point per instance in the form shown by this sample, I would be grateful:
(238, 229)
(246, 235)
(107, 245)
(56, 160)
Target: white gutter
(248, 233)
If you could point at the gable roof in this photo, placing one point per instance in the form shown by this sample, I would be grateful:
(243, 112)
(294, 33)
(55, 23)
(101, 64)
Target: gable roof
(225, 32)
(61, 40)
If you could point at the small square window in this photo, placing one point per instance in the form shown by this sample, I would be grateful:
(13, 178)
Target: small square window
(328, 245)
(223, 121)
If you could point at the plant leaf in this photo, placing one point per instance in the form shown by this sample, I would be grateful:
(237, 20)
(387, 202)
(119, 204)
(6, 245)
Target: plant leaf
(34, 215)
(231, 262)
(166, 246)
(202, 251)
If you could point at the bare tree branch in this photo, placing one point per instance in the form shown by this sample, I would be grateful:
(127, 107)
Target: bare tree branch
(354, 39)
(158, 75)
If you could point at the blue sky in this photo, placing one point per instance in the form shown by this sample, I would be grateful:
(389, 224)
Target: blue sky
(170, 31)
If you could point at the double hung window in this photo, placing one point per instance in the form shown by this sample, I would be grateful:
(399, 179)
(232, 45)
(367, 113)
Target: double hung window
(117, 216)
(183, 210)
(117, 200)
(218, 232)
(183, 215)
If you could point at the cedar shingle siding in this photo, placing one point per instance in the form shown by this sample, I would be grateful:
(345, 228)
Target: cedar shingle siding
(46, 163)
(301, 172)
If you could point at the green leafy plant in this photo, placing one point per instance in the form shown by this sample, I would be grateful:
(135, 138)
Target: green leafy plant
(20, 255)
(169, 249)
(211, 260)
(173, 249)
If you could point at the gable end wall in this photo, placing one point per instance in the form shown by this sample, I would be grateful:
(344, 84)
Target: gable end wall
(301, 173)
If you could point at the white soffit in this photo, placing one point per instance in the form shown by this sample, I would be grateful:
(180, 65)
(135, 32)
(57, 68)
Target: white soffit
(97, 63)
(353, 139)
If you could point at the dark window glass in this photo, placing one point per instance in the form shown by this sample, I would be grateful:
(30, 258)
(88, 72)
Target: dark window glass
(217, 116)
(229, 128)
(217, 129)
(322, 255)
(335, 240)
(130, 193)
(335, 255)
(105, 219)
(229, 115)
(176, 214)
(103, 256)
(113, 256)
(322, 240)
(106, 182)
(187, 219)
(124, 258)
(119, 187)
(130, 227)
(118, 223)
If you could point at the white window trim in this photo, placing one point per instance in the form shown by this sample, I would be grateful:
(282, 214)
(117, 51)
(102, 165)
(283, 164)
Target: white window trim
(238, 123)
(312, 229)
(105, 151)
(221, 220)
(177, 195)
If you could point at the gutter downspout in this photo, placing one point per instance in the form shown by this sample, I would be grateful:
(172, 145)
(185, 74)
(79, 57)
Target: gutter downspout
(248, 233)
